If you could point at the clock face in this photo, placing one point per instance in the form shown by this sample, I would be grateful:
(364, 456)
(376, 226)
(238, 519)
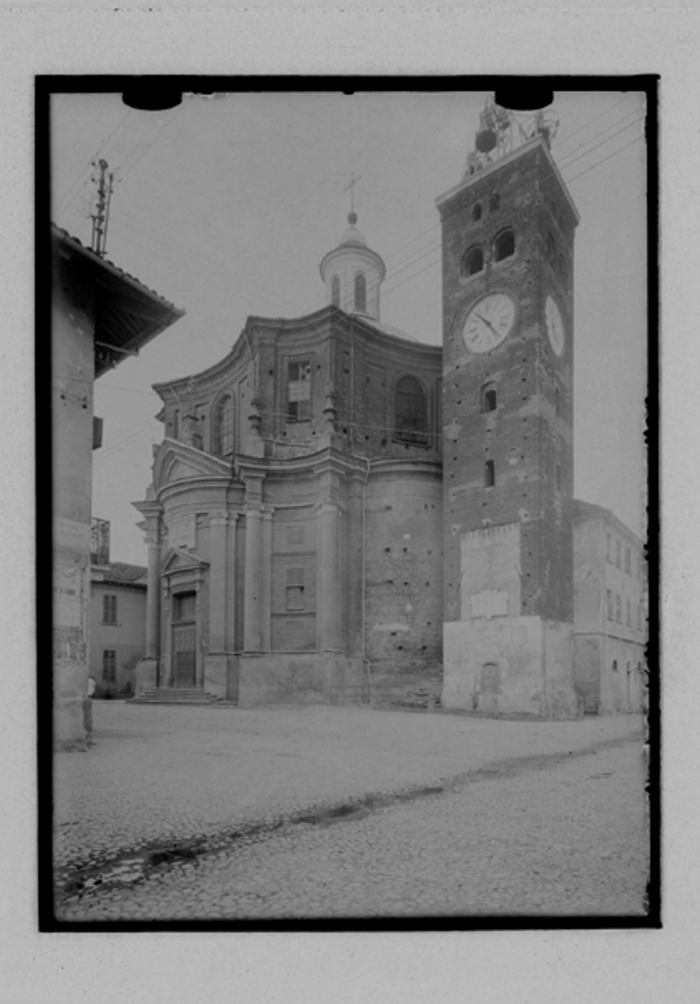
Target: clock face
(489, 322)
(555, 325)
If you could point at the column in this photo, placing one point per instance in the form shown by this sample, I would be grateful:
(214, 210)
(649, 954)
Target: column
(148, 672)
(329, 586)
(153, 595)
(217, 581)
(266, 584)
(252, 612)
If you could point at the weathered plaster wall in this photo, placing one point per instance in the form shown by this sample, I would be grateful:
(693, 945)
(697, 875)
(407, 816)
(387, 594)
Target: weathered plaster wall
(72, 411)
(509, 665)
(589, 578)
(491, 570)
(622, 688)
(127, 638)
(303, 678)
(587, 669)
(609, 638)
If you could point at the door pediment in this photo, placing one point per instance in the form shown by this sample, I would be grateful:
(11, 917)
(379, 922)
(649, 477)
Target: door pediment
(177, 560)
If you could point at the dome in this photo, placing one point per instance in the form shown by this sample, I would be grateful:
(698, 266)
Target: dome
(352, 273)
(353, 236)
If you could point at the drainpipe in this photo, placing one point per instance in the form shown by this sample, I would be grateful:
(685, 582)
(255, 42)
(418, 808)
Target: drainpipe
(365, 660)
(351, 426)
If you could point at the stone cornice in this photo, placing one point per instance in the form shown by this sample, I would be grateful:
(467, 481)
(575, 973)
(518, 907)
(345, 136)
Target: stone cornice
(172, 452)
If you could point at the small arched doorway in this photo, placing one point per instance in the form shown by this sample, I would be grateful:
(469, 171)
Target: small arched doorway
(488, 689)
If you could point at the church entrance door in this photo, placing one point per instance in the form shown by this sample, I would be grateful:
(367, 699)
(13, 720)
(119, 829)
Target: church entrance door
(184, 651)
(184, 640)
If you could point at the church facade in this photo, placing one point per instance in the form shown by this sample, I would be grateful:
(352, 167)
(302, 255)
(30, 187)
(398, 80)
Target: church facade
(294, 522)
(340, 513)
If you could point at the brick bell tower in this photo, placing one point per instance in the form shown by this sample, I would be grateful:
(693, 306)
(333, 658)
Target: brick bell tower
(507, 246)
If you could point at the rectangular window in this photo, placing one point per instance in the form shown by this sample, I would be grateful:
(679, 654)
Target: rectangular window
(628, 560)
(618, 608)
(618, 554)
(611, 556)
(610, 605)
(299, 391)
(109, 609)
(629, 614)
(489, 474)
(295, 589)
(109, 665)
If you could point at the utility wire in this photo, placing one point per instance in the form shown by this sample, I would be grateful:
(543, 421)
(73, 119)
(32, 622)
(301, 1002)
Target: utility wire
(90, 162)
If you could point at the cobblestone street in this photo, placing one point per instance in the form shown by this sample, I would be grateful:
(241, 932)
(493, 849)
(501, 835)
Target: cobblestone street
(215, 813)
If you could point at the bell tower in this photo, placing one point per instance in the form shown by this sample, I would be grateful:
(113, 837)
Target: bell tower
(507, 249)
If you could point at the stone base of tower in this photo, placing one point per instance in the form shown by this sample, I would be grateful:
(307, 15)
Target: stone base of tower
(301, 678)
(510, 665)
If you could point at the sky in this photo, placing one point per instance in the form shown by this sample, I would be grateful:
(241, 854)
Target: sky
(227, 204)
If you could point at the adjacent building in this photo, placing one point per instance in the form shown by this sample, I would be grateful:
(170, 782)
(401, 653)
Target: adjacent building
(117, 626)
(98, 315)
(610, 625)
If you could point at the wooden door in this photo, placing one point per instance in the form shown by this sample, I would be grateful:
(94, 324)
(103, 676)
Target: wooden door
(184, 655)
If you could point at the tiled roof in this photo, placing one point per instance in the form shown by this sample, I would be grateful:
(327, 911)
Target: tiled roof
(127, 313)
(589, 509)
(64, 235)
(118, 572)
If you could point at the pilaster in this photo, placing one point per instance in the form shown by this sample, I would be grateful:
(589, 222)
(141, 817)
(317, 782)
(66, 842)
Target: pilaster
(329, 604)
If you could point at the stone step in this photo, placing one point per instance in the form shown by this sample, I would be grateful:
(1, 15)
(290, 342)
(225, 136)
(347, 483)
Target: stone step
(174, 695)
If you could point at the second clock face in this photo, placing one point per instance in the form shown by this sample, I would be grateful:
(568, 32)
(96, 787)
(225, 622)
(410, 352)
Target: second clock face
(555, 325)
(489, 322)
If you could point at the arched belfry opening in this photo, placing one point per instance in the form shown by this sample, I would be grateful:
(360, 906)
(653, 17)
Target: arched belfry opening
(353, 273)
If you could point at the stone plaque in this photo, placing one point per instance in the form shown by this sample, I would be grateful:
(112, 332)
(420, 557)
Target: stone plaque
(489, 603)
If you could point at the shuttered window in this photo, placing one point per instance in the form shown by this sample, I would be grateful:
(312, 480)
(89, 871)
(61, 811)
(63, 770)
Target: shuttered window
(295, 589)
(109, 609)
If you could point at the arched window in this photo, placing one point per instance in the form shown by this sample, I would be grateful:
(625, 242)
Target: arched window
(494, 203)
(476, 212)
(504, 245)
(489, 474)
(473, 261)
(360, 292)
(489, 398)
(223, 427)
(335, 291)
(411, 411)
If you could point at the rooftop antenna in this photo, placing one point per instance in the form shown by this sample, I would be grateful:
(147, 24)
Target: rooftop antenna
(100, 218)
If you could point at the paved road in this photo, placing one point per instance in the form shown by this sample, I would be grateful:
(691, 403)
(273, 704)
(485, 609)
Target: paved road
(234, 813)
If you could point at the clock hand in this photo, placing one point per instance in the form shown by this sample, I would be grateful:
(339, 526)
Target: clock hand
(487, 323)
